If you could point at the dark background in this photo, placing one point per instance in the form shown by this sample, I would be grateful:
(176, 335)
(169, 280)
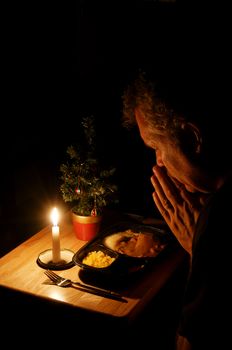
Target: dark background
(64, 60)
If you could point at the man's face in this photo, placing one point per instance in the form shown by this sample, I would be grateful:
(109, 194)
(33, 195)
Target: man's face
(169, 155)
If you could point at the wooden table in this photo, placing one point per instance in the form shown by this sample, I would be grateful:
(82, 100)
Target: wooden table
(20, 273)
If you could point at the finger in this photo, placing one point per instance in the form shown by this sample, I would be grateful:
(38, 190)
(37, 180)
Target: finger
(156, 185)
(160, 193)
(165, 186)
(164, 212)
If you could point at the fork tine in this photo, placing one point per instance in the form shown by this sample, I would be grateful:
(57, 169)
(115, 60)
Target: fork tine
(54, 277)
(54, 274)
(49, 276)
(59, 278)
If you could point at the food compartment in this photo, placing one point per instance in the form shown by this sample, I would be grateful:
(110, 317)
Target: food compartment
(136, 241)
(95, 257)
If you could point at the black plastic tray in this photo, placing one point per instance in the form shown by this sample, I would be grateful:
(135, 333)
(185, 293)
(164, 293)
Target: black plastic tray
(123, 264)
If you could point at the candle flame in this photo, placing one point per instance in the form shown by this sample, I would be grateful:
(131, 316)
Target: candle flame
(55, 216)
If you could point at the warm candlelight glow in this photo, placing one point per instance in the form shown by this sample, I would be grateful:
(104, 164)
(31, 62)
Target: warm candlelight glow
(55, 236)
(55, 216)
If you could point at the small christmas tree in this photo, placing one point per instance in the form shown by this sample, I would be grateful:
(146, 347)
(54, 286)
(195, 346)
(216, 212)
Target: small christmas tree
(84, 183)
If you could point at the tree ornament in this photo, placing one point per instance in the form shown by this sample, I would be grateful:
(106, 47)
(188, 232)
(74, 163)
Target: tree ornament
(94, 210)
(78, 190)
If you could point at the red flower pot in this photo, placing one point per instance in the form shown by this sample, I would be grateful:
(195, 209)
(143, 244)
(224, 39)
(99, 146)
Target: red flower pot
(86, 227)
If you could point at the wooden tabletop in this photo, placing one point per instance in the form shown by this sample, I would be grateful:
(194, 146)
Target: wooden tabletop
(20, 272)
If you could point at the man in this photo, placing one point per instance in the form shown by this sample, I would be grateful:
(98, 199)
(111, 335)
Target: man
(182, 116)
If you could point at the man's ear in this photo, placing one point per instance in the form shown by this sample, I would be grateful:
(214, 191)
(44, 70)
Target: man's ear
(192, 137)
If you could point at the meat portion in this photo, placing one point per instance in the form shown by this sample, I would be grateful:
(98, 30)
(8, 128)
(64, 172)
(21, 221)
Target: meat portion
(134, 244)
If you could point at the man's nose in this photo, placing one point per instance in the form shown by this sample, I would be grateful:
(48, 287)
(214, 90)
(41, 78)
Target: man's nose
(159, 161)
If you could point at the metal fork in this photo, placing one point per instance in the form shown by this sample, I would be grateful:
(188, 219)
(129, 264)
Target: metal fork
(65, 282)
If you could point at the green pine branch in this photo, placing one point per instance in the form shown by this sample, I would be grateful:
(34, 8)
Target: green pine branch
(84, 183)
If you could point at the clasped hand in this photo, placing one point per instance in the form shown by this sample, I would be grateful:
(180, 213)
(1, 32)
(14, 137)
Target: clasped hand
(179, 208)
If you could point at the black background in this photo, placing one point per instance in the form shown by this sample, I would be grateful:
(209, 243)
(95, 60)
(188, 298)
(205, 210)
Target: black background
(64, 60)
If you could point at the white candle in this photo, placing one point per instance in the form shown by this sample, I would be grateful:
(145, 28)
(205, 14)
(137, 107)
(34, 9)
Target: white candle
(55, 237)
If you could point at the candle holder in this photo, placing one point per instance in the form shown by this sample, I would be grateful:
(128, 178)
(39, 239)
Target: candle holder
(44, 260)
